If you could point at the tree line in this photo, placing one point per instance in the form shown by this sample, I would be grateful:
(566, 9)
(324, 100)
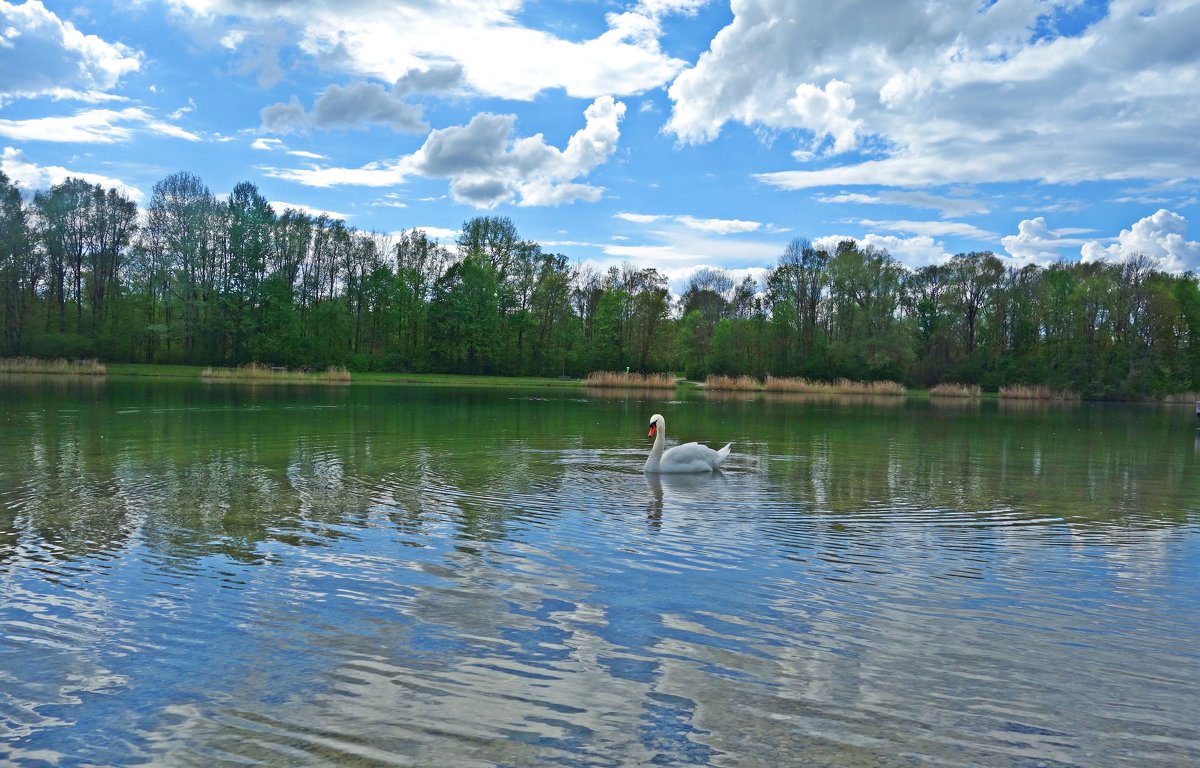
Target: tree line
(201, 280)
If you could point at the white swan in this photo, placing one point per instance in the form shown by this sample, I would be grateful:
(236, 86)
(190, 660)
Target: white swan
(689, 457)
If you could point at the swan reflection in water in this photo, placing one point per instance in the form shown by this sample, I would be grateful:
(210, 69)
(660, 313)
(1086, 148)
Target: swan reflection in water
(690, 490)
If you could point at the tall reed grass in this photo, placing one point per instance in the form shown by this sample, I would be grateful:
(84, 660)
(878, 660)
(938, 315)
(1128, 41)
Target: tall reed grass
(951, 389)
(716, 382)
(1181, 397)
(34, 365)
(257, 372)
(1036, 392)
(838, 387)
(629, 380)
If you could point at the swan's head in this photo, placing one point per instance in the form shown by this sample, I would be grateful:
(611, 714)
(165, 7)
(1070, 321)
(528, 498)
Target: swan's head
(656, 423)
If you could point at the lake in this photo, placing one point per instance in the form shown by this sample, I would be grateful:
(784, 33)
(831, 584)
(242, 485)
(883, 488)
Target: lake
(205, 575)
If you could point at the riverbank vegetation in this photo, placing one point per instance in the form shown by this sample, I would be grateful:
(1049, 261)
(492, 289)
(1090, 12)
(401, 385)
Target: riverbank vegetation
(254, 372)
(630, 380)
(200, 280)
(34, 365)
(950, 389)
(1023, 392)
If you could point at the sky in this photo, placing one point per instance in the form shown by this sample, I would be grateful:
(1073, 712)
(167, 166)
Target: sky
(673, 134)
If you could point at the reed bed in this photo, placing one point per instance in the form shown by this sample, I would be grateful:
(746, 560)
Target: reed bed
(627, 380)
(34, 365)
(1181, 397)
(1037, 392)
(838, 387)
(951, 389)
(257, 372)
(716, 382)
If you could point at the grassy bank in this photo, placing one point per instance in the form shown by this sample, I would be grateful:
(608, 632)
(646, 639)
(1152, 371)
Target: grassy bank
(461, 380)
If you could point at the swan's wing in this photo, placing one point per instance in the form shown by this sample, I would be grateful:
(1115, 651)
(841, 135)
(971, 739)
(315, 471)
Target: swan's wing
(721, 455)
(692, 457)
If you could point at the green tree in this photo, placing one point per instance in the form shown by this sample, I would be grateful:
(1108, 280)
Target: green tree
(19, 267)
(464, 317)
(180, 235)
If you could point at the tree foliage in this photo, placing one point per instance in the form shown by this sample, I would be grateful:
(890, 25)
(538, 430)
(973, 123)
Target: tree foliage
(227, 281)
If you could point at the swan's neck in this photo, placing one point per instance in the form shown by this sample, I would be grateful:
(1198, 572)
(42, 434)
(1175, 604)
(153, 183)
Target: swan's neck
(656, 451)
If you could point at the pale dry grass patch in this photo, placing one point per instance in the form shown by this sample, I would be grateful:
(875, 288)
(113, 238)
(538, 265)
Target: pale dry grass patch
(629, 380)
(1036, 392)
(34, 365)
(257, 372)
(1181, 397)
(952, 389)
(732, 383)
(838, 387)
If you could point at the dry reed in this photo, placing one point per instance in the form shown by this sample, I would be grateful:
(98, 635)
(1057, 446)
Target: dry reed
(1181, 397)
(34, 365)
(257, 372)
(732, 383)
(838, 387)
(1037, 392)
(950, 389)
(629, 380)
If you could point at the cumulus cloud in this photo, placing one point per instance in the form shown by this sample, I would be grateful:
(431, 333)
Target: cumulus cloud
(918, 94)
(486, 166)
(32, 177)
(1161, 236)
(363, 104)
(913, 252)
(498, 55)
(42, 55)
(1033, 241)
(434, 79)
(353, 106)
(1036, 243)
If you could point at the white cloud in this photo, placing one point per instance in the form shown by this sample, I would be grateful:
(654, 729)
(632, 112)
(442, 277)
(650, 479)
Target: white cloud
(281, 206)
(679, 252)
(916, 94)
(92, 126)
(358, 105)
(35, 178)
(950, 207)
(935, 228)
(715, 226)
(1162, 236)
(441, 234)
(42, 55)
(913, 252)
(826, 112)
(486, 166)
(1037, 243)
(497, 54)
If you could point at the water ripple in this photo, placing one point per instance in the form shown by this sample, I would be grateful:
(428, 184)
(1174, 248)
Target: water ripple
(303, 600)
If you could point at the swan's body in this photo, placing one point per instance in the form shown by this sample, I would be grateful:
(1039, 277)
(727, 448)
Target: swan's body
(689, 457)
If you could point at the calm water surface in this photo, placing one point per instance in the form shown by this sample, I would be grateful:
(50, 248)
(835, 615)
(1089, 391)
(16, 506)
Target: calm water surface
(217, 575)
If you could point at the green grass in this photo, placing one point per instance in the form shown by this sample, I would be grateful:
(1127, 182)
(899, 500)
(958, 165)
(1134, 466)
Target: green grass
(154, 370)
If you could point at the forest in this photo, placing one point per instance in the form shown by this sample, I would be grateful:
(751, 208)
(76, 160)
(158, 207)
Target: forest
(194, 278)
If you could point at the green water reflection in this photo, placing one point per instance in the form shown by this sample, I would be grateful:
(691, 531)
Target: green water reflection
(220, 468)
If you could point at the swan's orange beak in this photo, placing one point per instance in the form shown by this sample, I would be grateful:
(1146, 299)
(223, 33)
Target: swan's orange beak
(652, 428)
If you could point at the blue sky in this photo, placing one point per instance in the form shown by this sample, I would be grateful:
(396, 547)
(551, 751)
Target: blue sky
(671, 134)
